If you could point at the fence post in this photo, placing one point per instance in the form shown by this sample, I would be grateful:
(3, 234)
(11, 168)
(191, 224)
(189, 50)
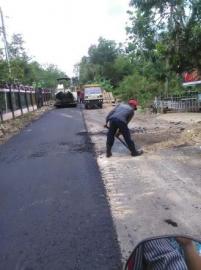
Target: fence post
(19, 98)
(1, 115)
(49, 97)
(11, 101)
(36, 98)
(26, 100)
(42, 98)
(31, 98)
(44, 103)
(44, 95)
(1, 110)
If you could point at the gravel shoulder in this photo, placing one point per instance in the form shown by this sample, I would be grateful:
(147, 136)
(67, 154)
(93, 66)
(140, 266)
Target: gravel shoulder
(159, 192)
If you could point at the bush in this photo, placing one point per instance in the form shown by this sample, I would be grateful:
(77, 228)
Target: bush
(138, 87)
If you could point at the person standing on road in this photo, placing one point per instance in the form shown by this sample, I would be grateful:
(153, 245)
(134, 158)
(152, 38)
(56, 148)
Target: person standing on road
(82, 96)
(118, 120)
(78, 96)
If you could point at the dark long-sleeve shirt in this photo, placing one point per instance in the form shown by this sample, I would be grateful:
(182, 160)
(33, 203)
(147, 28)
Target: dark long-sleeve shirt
(122, 112)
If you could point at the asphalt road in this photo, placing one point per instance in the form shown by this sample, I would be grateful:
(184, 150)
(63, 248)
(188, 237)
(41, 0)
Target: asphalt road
(54, 213)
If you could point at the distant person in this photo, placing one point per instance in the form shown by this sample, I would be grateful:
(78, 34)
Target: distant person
(78, 96)
(81, 97)
(118, 120)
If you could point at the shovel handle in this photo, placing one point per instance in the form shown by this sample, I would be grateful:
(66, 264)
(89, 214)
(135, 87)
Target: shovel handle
(118, 138)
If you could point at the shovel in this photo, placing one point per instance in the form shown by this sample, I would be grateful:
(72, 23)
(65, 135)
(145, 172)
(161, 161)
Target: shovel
(122, 141)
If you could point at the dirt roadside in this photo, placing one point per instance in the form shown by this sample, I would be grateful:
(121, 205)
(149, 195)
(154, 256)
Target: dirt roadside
(156, 132)
(12, 127)
(159, 192)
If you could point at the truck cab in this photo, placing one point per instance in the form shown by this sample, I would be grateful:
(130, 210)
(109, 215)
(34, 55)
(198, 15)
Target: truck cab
(93, 96)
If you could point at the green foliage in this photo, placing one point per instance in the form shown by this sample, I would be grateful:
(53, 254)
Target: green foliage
(139, 87)
(173, 27)
(164, 40)
(16, 47)
(25, 71)
(175, 84)
(105, 62)
(88, 72)
(106, 85)
(105, 52)
(4, 75)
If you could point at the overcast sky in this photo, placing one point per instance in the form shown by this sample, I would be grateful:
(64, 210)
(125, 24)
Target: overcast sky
(60, 32)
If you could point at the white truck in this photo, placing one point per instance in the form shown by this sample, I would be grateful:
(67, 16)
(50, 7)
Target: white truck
(93, 96)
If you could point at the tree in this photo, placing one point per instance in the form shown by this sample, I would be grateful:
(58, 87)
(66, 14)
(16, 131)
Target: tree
(164, 40)
(103, 63)
(172, 24)
(16, 47)
(105, 52)
(26, 71)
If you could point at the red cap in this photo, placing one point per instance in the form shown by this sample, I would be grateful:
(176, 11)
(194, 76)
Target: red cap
(133, 102)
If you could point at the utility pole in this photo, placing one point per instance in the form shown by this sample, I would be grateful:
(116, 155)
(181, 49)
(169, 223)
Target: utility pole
(5, 41)
(6, 51)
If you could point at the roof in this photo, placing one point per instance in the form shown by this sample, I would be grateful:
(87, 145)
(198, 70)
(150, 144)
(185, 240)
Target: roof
(191, 83)
(92, 85)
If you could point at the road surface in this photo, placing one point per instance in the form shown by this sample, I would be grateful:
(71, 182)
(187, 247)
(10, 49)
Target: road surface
(54, 212)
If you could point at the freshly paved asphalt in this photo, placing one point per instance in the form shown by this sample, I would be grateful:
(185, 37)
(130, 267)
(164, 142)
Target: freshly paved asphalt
(54, 213)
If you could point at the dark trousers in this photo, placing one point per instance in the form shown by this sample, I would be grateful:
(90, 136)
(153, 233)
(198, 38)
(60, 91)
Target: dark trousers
(116, 124)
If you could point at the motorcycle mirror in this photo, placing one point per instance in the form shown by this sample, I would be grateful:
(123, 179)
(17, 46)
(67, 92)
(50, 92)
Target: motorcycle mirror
(166, 253)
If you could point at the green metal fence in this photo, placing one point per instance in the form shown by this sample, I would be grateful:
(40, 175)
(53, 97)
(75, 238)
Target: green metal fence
(21, 99)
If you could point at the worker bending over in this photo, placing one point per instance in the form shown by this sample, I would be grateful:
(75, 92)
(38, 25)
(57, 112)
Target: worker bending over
(118, 120)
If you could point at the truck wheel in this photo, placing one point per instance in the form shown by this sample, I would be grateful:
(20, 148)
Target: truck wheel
(86, 106)
(101, 105)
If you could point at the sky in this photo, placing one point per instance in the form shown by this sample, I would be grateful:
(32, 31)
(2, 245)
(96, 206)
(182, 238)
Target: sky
(60, 32)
